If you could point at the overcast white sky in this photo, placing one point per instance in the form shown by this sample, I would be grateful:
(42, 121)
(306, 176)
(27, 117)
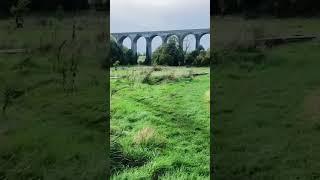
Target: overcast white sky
(153, 15)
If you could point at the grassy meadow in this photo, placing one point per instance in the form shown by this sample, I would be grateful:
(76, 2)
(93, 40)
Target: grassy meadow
(160, 123)
(266, 105)
(53, 98)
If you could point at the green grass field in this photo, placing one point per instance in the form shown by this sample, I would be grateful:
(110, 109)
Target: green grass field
(266, 113)
(47, 132)
(160, 123)
(267, 116)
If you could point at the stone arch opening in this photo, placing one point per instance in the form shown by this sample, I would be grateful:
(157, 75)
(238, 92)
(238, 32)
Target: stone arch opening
(156, 42)
(139, 48)
(126, 42)
(205, 41)
(172, 36)
(189, 42)
(141, 45)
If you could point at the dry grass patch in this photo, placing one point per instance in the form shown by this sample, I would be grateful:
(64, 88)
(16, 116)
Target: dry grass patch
(312, 106)
(207, 96)
(144, 135)
(148, 136)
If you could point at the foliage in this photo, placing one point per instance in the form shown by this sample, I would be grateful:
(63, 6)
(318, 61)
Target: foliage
(122, 54)
(190, 57)
(129, 56)
(116, 53)
(169, 54)
(203, 59)
(198, 57)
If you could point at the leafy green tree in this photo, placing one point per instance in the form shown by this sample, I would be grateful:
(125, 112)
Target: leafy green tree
(116, 52)
(190, 57)
(169, 54)
(125, 59)
(131, 57)
(122, 54)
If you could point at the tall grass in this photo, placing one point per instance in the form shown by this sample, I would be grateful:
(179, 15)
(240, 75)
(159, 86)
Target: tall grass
(40, 114)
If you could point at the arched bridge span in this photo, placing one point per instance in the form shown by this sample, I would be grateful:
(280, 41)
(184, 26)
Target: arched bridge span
(164, 35)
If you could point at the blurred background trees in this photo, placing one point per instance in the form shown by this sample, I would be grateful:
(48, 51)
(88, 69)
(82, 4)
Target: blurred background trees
(277, 8)
(52, 5)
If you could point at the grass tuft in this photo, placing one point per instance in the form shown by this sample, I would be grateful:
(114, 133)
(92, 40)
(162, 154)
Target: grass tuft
(148, 137)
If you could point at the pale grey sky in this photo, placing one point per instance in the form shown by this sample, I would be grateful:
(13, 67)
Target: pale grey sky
(153, 15)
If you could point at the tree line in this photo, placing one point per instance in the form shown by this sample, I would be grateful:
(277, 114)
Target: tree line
(277, 8)
(52, 5)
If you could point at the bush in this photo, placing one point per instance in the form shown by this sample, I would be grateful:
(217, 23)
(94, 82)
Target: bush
(190, 57)
(203, 59)
(198, 57)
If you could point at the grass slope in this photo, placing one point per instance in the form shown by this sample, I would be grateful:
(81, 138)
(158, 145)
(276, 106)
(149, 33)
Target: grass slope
(160, 130)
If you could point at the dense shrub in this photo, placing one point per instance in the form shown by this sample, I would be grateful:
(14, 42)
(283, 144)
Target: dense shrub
(203, 59)
(190, 57)
(198, 57)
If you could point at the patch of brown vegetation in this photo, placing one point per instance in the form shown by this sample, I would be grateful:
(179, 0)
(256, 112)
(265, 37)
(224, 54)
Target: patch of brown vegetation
(312, 105)
(144, 135)
(148, 136)
(207, 96)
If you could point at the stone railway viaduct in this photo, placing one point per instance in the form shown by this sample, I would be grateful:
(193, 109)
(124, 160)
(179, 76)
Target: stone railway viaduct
(164, 35)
